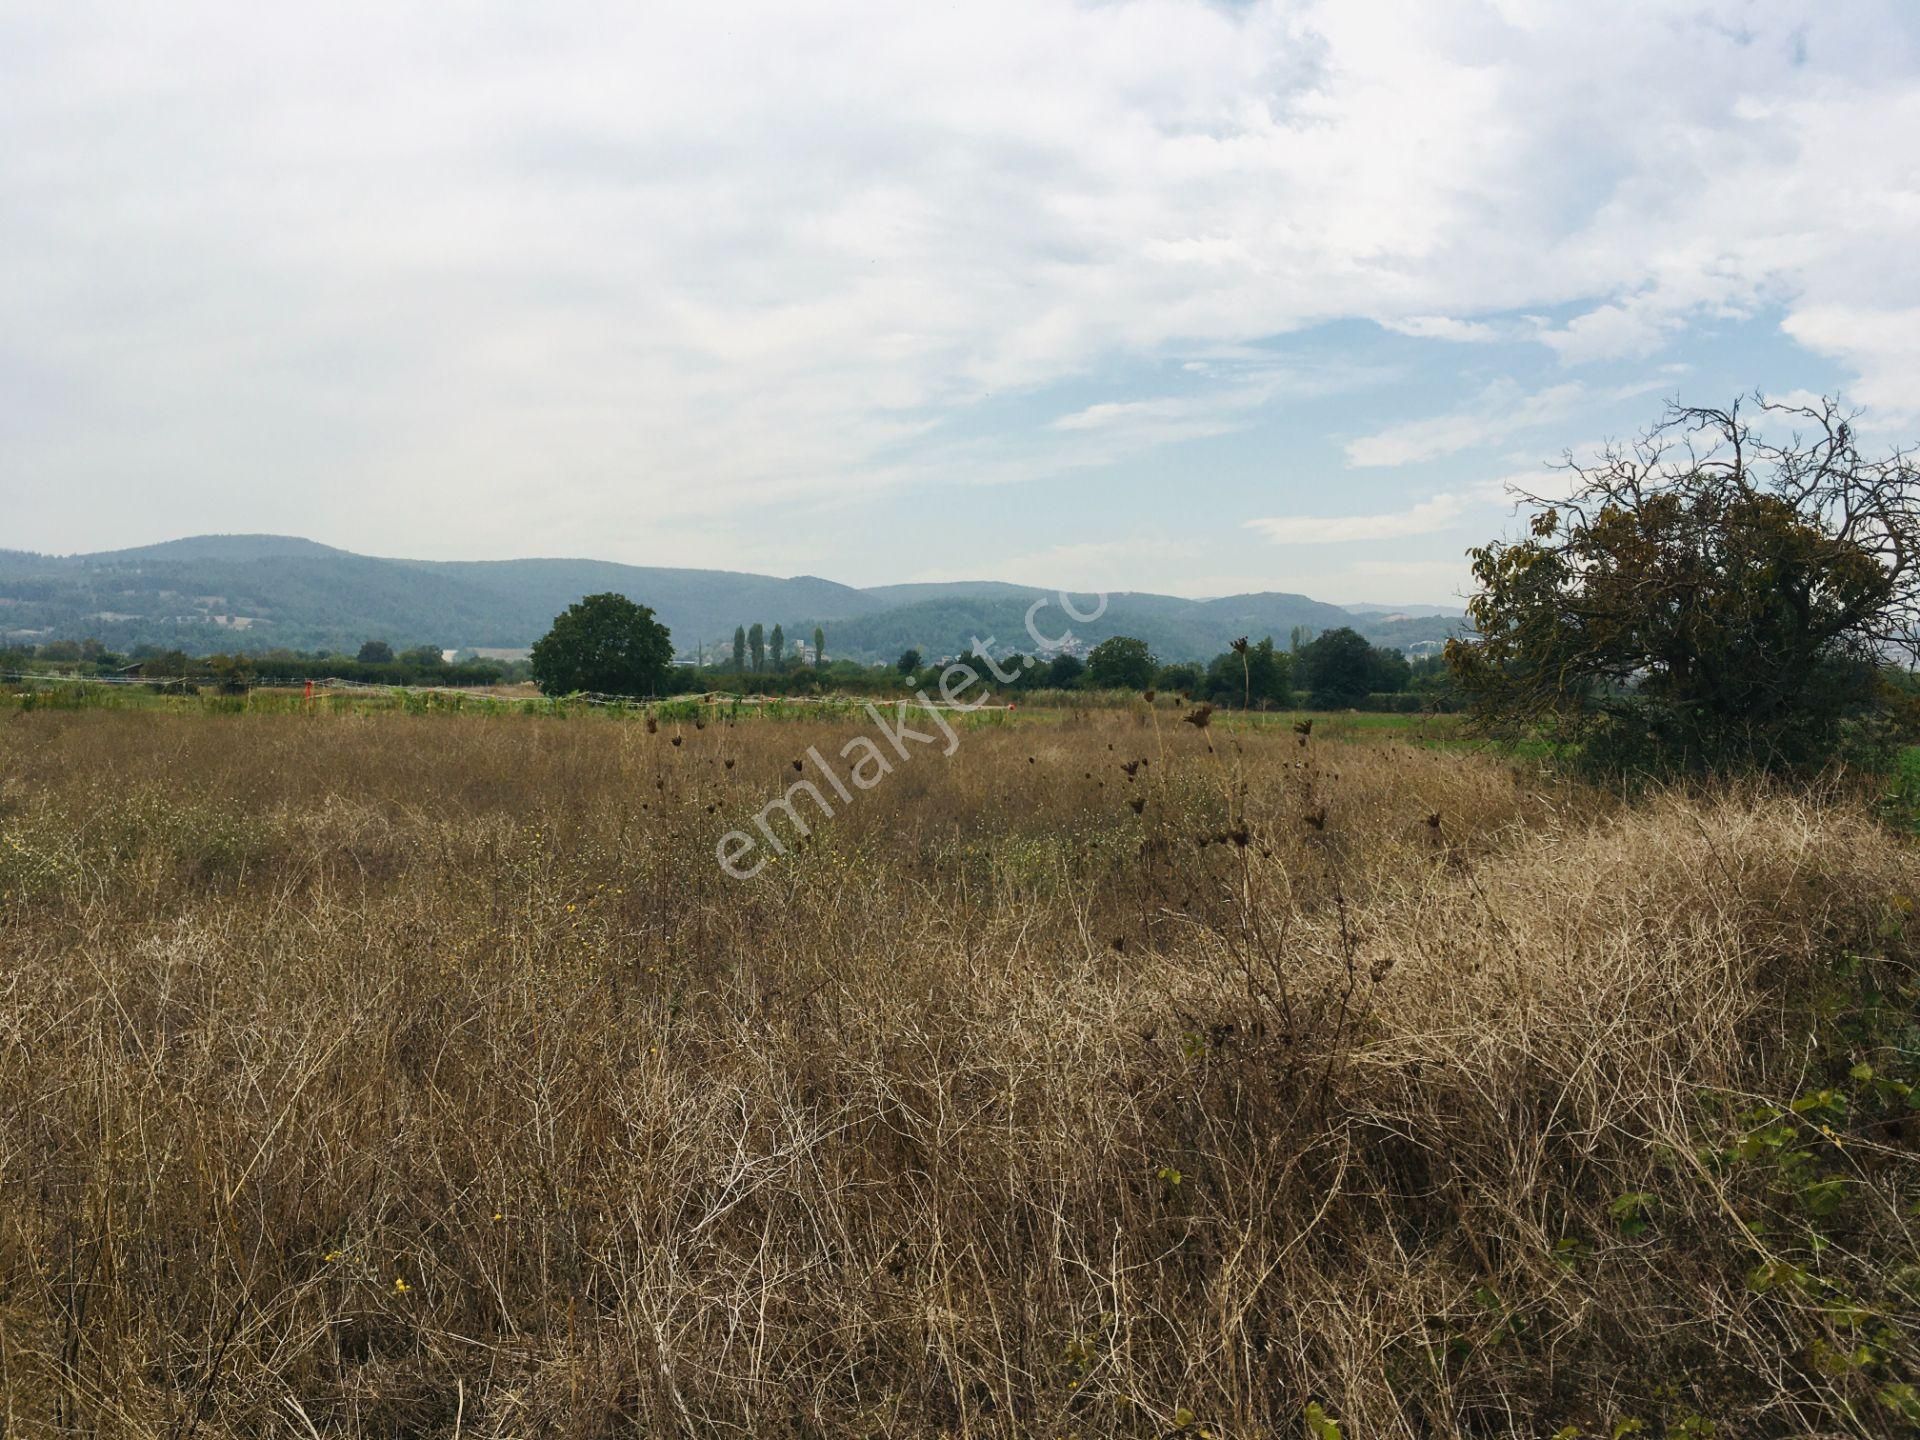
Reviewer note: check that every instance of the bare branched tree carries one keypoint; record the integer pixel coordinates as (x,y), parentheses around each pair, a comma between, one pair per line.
(1704,596)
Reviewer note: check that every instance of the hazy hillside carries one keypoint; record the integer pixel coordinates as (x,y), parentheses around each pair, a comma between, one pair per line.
(217,548)
(257,592)
(1176,628)
(913,594)
(696,605)
(1413,630)
(1410,612)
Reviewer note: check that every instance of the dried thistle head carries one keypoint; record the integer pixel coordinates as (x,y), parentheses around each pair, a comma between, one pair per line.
(1199,717)
(1239,647)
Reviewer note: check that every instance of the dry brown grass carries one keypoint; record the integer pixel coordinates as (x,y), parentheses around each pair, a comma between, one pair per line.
(425,1076)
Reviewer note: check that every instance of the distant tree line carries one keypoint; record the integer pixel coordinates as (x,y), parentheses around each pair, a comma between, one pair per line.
(376,663)
(608,644)
(1337,670)
(758,652)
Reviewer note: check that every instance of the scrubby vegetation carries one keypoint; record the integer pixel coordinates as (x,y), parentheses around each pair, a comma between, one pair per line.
(424,1075)
(1708,600)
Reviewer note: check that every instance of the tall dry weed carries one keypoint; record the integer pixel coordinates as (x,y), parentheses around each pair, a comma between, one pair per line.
(425,1076)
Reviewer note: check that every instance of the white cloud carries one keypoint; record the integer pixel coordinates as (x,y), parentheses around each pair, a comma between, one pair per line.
(1549,482)
(1795,399)
(553,278)
(1610,332)
(1144,423)
(1234,390)
(1422,519)
(1123,424)
(1440,327)
(1500,412)
(1882,345)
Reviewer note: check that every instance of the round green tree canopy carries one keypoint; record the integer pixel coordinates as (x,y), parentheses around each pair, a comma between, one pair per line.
(1121,662)
(605,644)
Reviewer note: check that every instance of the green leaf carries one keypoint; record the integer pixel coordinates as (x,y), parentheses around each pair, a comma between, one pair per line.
(1631,1213)
(1823,1197)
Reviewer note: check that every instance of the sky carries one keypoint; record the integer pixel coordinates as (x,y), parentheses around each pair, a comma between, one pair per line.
(1162,295)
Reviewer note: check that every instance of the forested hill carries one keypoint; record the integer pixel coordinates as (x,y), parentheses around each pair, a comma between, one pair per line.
(260,592)
(1176,629)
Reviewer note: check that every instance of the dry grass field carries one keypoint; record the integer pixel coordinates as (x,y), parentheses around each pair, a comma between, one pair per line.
(394,1075)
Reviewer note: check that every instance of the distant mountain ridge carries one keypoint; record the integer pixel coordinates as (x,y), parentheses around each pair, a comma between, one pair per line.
(260,592)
